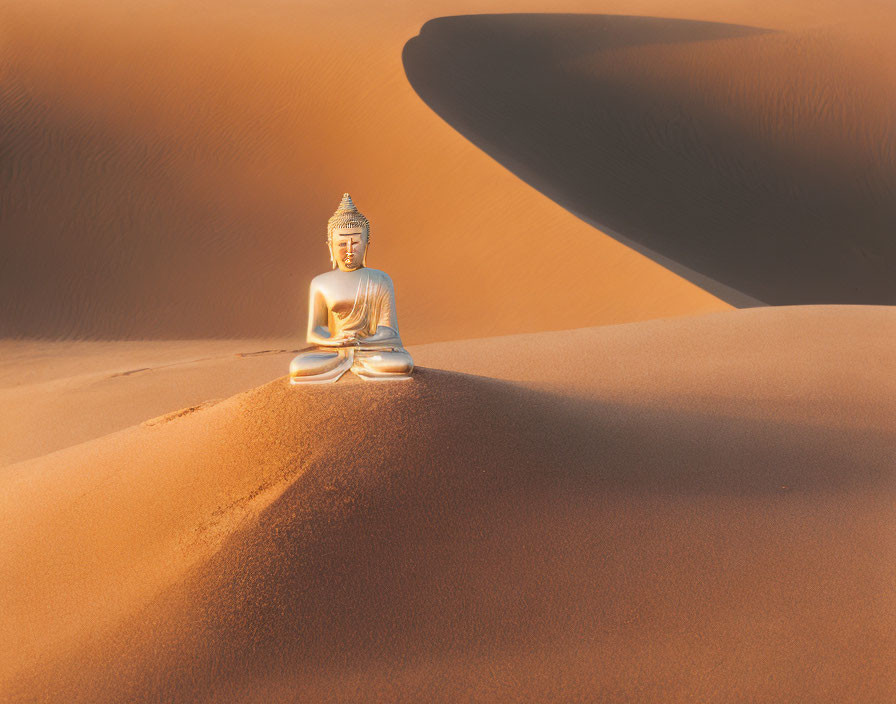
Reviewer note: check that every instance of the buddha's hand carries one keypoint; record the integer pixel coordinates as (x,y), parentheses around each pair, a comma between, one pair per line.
(349,339)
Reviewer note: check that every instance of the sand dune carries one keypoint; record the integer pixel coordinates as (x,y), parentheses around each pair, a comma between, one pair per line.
(171,167)
(168,167)
(723,530)
(764,160)
(690,508)
(57,394)
(54,395)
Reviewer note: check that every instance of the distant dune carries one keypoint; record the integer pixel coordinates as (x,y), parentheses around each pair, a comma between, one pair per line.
(721,530)
(169,169)
(763,160)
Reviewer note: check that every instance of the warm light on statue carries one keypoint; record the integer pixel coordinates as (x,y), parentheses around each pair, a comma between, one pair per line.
(351,312)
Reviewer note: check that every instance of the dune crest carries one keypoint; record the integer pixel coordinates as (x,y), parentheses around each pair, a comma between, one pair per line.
(763,160)
(209,147)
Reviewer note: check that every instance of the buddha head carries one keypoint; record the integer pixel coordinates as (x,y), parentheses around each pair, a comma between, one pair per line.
(348,234)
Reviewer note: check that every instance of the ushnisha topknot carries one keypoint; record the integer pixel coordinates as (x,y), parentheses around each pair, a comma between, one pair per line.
(347,215)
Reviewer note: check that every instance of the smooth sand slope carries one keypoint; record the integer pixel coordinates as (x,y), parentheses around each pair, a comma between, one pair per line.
(706,517)
(762,159)
(688,509)
(57,394)
(168,170)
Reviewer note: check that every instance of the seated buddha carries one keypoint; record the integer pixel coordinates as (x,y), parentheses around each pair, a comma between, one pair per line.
(351,312)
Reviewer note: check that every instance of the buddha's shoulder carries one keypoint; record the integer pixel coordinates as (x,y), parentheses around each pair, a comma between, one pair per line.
(380,275)
(322,279)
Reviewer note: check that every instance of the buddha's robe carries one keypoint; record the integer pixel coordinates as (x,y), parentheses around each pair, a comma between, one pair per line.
(372,309)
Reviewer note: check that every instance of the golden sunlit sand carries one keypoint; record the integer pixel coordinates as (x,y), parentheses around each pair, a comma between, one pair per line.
(604,483)
(698,511)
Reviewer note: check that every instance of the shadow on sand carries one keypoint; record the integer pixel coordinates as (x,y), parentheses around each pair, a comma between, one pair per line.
(756,214)
(459,514)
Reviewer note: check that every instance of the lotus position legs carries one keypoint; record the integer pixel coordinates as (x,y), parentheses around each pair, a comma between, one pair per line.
(325,366)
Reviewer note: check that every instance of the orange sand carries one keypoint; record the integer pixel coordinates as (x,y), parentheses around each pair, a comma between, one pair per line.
(704,516)
(209,149)
(57,394)
(209,144)
(690,508)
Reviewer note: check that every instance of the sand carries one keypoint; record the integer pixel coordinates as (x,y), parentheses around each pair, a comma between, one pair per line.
(57,394)
(604,483)
(759,159)
(210,147)
(720,531)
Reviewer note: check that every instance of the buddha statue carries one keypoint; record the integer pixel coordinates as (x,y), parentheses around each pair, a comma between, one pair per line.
(351,312)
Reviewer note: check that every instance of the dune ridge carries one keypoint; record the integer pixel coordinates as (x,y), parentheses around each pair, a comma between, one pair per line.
(463,534)
(763,160)
(54,395)
(210,147)
(204,173)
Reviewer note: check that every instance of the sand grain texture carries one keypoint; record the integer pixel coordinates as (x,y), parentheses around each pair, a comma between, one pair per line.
(462,536)
(57,394)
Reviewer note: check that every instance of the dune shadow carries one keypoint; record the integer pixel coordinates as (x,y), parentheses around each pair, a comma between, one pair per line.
(753,215)
(446,519)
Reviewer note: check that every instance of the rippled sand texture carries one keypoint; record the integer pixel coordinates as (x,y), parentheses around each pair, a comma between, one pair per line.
(696,509)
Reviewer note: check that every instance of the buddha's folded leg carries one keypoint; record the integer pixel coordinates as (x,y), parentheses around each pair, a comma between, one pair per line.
(319,366)
(385,364)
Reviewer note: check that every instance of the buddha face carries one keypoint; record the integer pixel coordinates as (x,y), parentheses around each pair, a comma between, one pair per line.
(348,246)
